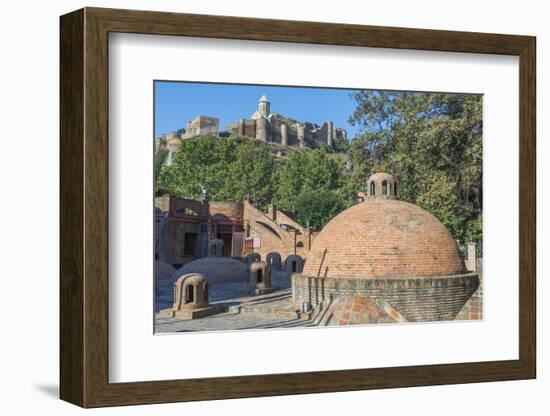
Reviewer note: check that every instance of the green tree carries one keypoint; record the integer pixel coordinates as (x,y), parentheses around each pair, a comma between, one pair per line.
(289,179)
(160,157)
(232,169)
(433,144)
(317,208)
(308,170)
(204,161)
(251,175)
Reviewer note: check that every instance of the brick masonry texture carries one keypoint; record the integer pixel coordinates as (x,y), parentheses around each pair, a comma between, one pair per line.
(275,238)
(226,210)
(384,238)
(474,307)
(417,299)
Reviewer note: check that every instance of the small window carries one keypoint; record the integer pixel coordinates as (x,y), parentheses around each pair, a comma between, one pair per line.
(299,244)
(189,244)
(189,294)
(384,187)
(227,229)
(372,188)
(186,211)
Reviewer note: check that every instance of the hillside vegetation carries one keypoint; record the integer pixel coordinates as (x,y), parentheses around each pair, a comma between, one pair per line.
(431,143)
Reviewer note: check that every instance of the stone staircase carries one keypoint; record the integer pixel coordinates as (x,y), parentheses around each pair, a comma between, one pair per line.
(276,305)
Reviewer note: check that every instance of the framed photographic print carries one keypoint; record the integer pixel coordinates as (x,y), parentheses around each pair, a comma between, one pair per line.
(255,207)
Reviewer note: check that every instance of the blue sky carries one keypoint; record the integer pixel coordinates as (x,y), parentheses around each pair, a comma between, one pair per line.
(178,102)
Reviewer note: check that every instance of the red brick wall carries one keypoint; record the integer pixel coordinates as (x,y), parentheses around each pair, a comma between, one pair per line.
(282,243)
(416,299)
(231,210)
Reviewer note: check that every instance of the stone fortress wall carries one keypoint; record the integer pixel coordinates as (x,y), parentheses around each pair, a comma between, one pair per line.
(262,125)
(276,128)
(202,126)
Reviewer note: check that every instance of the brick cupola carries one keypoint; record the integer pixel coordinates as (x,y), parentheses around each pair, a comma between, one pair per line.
(381,186)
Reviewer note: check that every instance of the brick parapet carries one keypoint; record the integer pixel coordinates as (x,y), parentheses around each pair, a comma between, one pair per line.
(418,299)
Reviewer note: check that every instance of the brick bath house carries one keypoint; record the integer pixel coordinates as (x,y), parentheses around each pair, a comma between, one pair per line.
(381,261)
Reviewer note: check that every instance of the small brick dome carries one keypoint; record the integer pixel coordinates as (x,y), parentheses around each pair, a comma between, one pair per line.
(216,270)
(163,271)
(384,238)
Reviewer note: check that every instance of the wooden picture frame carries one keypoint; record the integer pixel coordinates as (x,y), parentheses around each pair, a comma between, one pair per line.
(84,207)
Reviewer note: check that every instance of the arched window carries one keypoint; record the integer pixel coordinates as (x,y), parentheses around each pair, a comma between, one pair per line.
(299,244)
(384,187)
(189,294)
(372,188)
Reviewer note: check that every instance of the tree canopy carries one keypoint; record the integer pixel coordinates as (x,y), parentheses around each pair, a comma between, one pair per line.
(230,169)
(234,169)
(432,143)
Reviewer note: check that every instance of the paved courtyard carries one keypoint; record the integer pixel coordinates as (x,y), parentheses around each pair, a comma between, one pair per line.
(244,310)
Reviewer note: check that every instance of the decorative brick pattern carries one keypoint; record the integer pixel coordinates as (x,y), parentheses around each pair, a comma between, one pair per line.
(358,310)
(384,238)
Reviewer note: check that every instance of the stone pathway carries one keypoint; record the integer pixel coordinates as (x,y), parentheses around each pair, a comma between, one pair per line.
(227,321)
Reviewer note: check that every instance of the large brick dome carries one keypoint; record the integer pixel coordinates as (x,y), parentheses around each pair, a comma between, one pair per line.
(384,238)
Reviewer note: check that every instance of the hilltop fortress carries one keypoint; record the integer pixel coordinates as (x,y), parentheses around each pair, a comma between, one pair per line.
(262,125)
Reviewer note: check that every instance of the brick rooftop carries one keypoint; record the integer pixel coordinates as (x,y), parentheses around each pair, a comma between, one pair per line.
(381,239)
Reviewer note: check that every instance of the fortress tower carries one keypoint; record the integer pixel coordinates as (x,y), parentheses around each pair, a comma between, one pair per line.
(264,106)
